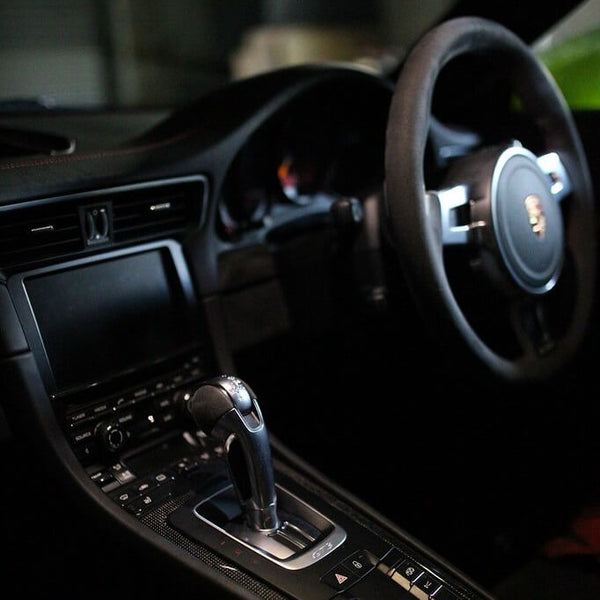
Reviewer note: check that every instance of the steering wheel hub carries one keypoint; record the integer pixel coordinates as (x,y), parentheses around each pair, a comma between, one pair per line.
(527,221)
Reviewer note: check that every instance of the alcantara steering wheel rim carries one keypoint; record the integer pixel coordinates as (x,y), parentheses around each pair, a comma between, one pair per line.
(417,217)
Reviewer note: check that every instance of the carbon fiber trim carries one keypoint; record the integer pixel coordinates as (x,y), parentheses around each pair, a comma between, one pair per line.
(157,521)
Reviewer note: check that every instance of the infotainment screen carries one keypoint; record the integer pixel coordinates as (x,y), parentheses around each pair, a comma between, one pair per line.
(104,318)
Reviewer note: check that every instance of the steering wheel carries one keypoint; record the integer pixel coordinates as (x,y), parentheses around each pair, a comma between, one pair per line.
(521,219)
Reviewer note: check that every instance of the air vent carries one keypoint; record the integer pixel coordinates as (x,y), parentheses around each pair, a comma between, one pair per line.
(30,234)
(100,219)
(160,211)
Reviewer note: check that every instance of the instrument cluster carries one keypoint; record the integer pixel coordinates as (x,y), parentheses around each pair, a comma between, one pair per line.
(312,151)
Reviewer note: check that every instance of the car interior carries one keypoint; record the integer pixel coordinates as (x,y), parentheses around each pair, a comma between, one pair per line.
(308,315)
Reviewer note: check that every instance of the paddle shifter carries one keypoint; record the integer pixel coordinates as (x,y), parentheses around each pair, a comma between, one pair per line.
(225,408)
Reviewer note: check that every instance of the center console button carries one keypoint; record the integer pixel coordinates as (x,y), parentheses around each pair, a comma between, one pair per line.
(121,401)
(126,417)
(376,585)
(105,480)
(425,586)
(122,474)
(103,477)
(101,408)
(163,403)
(147,501)
(187,466)
(83,434)
(339,578)
(77,416)
(360,563)
(124,497)
(163,477)
(145,485)
(406,573)
(140,393)
(444,593)
(391,559)
(159,387)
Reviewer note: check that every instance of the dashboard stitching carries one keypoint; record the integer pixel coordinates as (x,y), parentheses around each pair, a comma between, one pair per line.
(97,155)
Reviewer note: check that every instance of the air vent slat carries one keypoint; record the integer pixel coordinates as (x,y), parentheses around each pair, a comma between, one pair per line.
(163,211)
(47,245)
(131,226)
(25,255)
(153,198)
(32,233)
(27,237)
(150,217)
(28,224)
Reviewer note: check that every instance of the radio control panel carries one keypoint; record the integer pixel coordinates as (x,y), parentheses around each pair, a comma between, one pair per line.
(102,429)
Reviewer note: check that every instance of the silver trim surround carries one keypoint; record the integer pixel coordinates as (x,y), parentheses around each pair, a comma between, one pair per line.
(449,200)
(267,545)
(555,169)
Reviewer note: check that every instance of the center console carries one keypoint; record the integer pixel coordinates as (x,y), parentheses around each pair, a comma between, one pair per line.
(180,454)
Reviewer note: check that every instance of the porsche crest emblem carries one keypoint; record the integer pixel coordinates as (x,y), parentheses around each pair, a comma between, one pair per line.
(535,214)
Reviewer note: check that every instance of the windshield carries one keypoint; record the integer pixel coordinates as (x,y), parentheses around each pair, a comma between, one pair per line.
(148,53)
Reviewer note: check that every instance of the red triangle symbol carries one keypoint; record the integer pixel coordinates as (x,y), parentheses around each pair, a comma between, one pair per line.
(340,578)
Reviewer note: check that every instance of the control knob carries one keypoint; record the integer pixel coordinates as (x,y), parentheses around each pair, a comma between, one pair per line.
(111,436)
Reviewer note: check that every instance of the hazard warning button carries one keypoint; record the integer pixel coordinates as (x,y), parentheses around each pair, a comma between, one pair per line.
(339,578)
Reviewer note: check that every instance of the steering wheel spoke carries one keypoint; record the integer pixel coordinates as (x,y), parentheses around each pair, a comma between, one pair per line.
(454,214)
(552,165)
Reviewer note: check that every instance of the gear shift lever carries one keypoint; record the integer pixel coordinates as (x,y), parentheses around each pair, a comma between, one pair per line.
(226,408)
(295,535)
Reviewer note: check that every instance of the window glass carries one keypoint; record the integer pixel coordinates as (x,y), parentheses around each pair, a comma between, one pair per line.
(571,51)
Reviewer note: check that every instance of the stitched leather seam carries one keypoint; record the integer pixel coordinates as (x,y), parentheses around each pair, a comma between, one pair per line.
(94,155)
